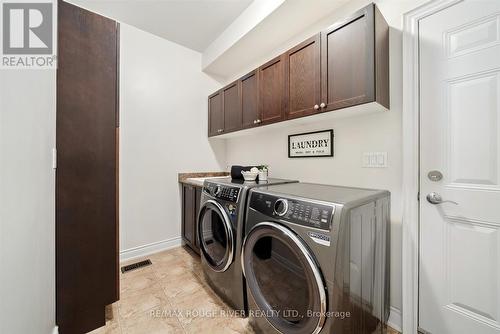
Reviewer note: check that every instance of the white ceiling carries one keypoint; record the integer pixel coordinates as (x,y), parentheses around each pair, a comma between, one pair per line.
(192,23)
(286,26)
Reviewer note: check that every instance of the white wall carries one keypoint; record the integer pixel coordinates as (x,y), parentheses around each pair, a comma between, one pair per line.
(257,11)
(27,221)
(370,133)
(163,131)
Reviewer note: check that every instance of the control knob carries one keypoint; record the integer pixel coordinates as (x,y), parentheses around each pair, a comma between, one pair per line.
(281,207)
(217,190)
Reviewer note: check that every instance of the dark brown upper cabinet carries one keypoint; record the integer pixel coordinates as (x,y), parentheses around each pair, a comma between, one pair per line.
(344,66)
(215,114)
(231,107)
(250,99)
(355,61)
(272,91)
(303,78)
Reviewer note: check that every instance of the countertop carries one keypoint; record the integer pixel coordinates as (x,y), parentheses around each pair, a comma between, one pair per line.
(197,178)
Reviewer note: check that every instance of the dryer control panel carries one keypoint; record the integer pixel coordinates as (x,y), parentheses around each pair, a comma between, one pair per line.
(223,192)
(307,213)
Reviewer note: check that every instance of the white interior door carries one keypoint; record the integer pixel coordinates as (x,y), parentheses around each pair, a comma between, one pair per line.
(459,283)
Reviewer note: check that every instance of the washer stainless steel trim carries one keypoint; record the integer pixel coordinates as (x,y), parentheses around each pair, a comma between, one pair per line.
(310,260)
(289,197)
(231,186)
(229,233)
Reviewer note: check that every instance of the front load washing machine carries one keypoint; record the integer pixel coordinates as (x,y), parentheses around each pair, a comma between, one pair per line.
(220,233)
(315,259)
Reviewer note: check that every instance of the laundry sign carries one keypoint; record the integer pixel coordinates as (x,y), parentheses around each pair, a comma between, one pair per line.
(311,144)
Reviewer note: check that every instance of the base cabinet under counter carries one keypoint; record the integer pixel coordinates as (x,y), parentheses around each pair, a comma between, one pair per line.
(190,206)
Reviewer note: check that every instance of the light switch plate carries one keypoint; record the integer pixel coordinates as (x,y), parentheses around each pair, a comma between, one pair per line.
(374,160)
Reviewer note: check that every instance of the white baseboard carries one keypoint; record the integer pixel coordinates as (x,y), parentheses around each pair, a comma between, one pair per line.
(55,330)
(395,319)
(155,247)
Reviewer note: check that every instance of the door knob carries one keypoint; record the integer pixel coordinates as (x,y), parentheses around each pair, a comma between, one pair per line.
(316,107)
(322,105)
(435,198)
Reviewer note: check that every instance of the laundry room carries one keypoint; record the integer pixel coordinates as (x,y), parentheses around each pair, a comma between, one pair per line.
(249,166)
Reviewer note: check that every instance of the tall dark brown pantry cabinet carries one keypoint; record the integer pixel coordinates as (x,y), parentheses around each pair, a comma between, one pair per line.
(87,169)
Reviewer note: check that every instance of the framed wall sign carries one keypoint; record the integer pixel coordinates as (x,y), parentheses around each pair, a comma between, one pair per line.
(311,144)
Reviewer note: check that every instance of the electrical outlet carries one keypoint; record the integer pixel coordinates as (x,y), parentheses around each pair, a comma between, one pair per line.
(374,160)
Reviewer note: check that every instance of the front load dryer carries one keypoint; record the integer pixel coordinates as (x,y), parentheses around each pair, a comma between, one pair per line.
(315,259)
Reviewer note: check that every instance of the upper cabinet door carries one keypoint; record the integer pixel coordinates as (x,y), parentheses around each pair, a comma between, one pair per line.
(215,114)
(231,107)
(303,79)
(272,91)
(348,61)
(250,99)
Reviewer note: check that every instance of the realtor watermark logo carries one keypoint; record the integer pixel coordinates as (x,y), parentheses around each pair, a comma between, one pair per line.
(28,35)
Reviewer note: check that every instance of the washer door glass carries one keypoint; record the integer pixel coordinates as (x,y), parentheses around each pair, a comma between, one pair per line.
(216,236)
(284,279)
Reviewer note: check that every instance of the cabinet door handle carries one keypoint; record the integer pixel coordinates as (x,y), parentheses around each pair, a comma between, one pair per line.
(322,105)
(316,107)
(258,121)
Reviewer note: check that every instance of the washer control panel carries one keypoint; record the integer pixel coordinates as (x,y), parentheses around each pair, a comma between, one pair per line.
(307,213)
(223,192)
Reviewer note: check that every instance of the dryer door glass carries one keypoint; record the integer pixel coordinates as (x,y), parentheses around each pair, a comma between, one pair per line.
(283,279)
(216,236)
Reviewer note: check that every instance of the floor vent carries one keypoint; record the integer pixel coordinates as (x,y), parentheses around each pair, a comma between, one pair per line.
(136,265)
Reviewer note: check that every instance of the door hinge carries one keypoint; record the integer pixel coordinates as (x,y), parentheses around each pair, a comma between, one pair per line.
(418,196)
(54,158)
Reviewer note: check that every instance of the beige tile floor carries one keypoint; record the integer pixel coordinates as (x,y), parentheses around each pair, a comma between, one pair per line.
(171,296)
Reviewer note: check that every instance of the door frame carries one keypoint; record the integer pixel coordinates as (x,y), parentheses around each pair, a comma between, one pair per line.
(411,159)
